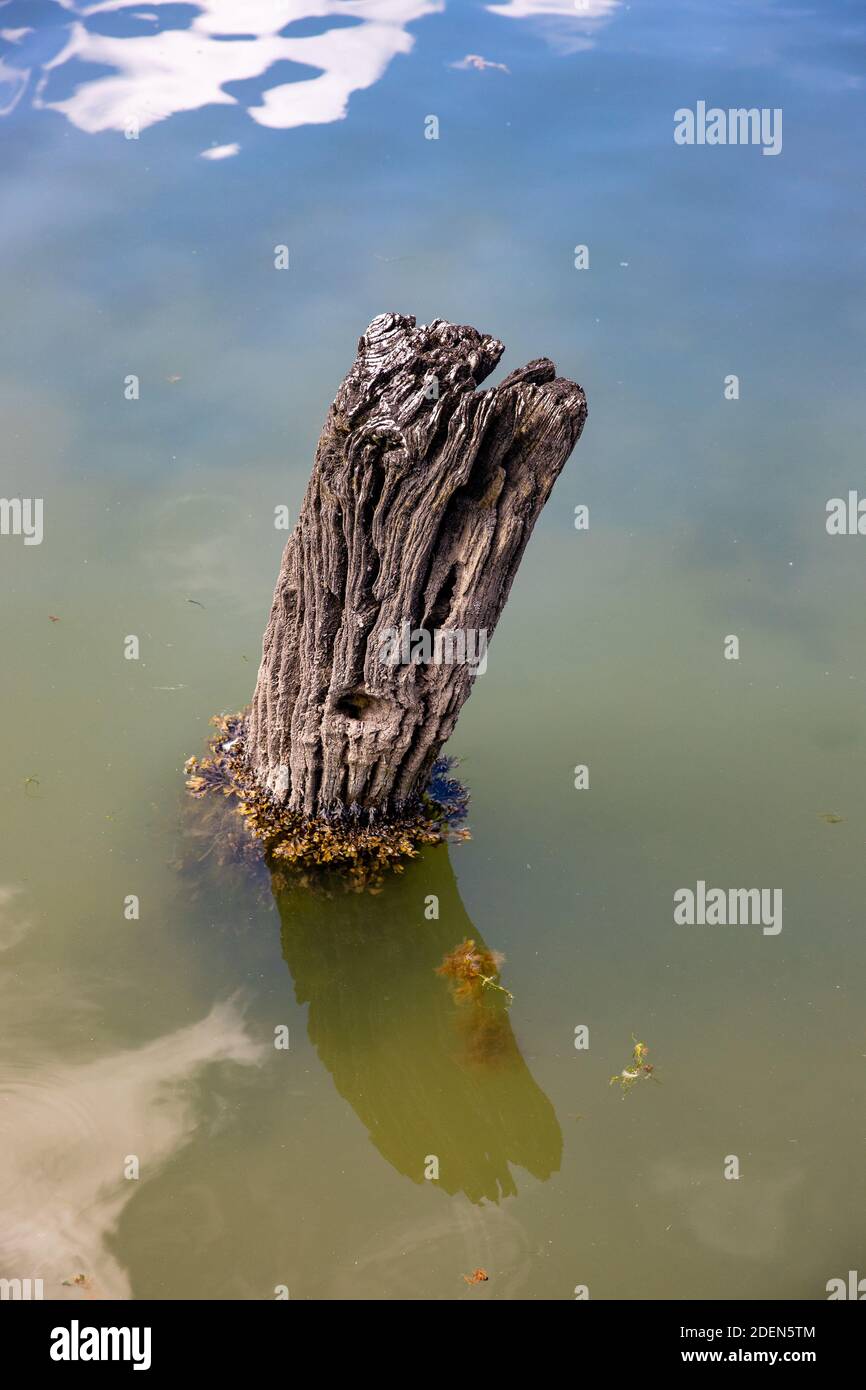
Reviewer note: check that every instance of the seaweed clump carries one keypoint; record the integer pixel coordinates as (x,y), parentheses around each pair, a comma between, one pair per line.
(482,1013)
(472,969)
(359,848)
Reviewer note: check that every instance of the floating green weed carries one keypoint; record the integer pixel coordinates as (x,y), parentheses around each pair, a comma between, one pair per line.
(640,1068)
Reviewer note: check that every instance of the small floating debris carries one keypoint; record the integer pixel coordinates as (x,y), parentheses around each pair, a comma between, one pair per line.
(475,60)
(478,1276)
(196,602)
(52,618)
(830,817)
(79,1281)
(640,1068)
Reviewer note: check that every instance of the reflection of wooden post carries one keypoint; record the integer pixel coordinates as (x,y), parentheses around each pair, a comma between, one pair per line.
(422,498)
(424,1073)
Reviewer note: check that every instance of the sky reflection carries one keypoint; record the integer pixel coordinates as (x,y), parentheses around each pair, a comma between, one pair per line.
(148,64)
(67,1130)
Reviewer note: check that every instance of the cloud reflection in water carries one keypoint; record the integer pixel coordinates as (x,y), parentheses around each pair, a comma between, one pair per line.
(182,69)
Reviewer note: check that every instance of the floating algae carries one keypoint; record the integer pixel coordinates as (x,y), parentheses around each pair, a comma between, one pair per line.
(473,969)
(640,1068)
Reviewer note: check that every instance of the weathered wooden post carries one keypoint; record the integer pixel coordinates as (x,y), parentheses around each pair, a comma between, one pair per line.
(423,496)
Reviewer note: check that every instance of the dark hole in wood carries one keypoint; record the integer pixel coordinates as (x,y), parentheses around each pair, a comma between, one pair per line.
(357,704)
(441,606)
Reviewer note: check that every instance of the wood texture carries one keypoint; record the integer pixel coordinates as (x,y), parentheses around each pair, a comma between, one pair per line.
(422,498)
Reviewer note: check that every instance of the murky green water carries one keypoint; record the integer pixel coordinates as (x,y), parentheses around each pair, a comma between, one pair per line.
(154,1038)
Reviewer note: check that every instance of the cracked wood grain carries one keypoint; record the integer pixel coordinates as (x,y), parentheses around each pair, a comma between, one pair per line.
(422,499)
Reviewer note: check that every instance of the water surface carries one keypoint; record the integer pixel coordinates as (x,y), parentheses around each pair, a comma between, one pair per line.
(270,124)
